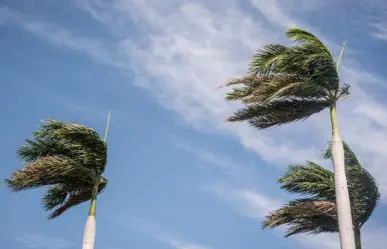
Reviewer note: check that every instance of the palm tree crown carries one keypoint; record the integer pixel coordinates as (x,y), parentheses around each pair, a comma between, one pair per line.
(316,211)
(68,158)
(287,83)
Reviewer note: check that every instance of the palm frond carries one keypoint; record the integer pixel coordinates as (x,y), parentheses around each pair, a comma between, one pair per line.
(317,212)
(48,171)
(75,197)
(261,89)
(72,140)
(287,84)
(309,180)
(266,59)
(55,196)
(304,216)
(363,189)
(278,112)
(309,58)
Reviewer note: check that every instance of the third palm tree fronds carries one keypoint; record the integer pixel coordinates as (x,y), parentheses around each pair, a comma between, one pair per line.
(69,159)
(290,83)
(316,212)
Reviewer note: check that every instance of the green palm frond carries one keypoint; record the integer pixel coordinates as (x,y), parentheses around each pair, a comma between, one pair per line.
(304,216)
(364,192)
(310,180)
(55,196)
(266,59)
(75,197)
(278,112)
(69,158)
(76,136)
(317,212)
(47,171)
(262,89)
(303,77)
(349,156)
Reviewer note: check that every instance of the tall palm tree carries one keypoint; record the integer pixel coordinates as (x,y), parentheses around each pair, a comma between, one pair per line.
(69,159)
(316,211)
(290,83)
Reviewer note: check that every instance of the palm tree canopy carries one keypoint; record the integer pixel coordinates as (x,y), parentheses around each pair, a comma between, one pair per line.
(316,211)
(287,83)
(68,158)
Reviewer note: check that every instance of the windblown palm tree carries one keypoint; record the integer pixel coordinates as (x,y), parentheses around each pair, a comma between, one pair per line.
(290,83)
(69,159)
(316,212)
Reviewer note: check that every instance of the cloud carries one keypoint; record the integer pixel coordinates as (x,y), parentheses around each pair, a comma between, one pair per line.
(41,241)
(380,31)
(160,234)
(246,202)
(241,172)
(192,47)
(186,49)
(181,50)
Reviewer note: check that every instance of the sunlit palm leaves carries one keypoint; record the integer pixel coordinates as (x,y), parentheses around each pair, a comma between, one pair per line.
(286,84)
(67,157)
(316,212)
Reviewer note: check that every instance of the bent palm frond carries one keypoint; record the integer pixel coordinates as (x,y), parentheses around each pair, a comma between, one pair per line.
(47,171)
(73,197)
(297,75)
(317,212)
(363,189)
(310,180)
(78,136)
(304,216)
(67,157)
(278,112)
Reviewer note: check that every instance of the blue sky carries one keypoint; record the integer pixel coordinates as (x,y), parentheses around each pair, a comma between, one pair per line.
(179,176)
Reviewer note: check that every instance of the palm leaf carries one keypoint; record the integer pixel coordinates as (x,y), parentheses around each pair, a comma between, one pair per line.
(287,84)
(72,140)
(363,189)
(317,212)
(266,59)
(309,180)
(47,171)
(278,112)
(75,197)
(304,216)
(261,89)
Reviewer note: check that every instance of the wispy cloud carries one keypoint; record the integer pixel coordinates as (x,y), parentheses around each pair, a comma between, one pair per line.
(187,48)
(246,202)
(380,30)
(159,233)
(41,241)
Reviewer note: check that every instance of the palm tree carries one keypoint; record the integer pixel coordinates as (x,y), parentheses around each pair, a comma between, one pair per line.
(317,211)
(69,159)
(290,83)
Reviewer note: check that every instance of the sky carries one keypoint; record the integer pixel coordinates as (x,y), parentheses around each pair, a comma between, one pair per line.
(179,176)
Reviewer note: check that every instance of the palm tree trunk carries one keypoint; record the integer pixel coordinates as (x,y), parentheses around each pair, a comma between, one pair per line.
(358,238)
(90,227)
(347,238)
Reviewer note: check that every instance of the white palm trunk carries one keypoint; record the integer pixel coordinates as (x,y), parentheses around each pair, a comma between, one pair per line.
(90,227)
(347,237)
(89,234)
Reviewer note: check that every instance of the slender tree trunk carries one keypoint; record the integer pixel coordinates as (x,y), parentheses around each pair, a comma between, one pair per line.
(347,238)
(90,227)
(357,238)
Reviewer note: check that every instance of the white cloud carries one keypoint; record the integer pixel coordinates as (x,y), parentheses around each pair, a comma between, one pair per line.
(246,202)
(380,30)
(184,49)
(41,241)
(160,234)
